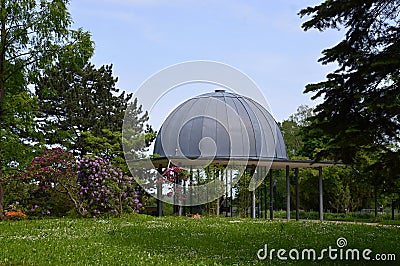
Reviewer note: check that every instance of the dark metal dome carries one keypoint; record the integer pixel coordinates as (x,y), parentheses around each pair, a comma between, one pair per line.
(221,125)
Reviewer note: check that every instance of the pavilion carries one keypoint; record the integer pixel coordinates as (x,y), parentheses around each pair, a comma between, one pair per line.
(224,128)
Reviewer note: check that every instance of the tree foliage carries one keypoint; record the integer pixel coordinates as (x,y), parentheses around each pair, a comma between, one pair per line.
(74,102)
(292,130)
(75,105)
(361,104)
(358,121)
(345,188)
(31,32)
(17,131)
(85,112)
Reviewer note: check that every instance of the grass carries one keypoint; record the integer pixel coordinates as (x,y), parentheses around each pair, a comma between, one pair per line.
(348,217)
(145,240)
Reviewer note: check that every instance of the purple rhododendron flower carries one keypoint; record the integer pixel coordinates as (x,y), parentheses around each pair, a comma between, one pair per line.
(101,186)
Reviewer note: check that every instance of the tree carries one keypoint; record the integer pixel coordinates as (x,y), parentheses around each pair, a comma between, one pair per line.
(359,117)
(82,110)
(17,124)
(362,96)
(31,32)
(85,111)
(343,187)
(292,130)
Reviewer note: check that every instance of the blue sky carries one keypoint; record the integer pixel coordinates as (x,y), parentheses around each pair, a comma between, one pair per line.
(263,39)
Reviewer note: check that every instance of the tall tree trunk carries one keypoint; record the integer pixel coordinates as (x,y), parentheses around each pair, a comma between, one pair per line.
(2,95)
(1,193)
(376,200)
(3,48)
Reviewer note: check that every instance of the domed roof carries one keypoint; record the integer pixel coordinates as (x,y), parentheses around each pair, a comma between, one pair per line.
(220,125)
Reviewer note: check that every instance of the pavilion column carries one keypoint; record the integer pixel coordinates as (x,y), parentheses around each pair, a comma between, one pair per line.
(253,204)
(271,205)
(287,193)
(226,203)
(296,173)
(392,209)
(182,209)
(265,193)
(159,194)
(252,196)
(191,190)
(231,193)
(217,210)
(321,199)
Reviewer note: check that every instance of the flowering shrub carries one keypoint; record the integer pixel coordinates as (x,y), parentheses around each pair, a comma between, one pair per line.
(55,184)
(51,168)
(194,216)
(14,213)
(48,180)
(16,190)
(175,175)
(104,188)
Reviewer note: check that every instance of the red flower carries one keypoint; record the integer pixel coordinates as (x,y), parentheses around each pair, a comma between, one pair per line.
(15,213)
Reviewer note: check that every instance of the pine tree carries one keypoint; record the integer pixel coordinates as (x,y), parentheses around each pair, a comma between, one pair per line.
(83,110)
(358,120)
(361,104)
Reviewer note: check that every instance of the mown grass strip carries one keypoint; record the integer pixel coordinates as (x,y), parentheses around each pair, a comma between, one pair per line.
(144,240)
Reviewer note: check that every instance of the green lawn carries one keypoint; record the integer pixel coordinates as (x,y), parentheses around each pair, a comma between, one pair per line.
(144,240)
